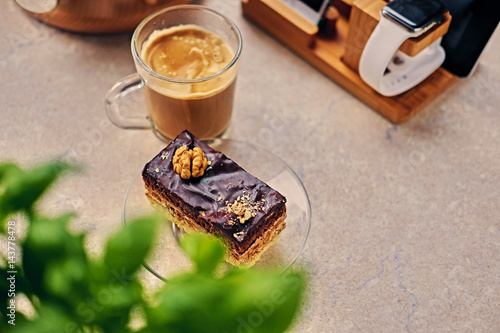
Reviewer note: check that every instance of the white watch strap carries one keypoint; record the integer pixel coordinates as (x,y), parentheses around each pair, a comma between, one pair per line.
(389,77)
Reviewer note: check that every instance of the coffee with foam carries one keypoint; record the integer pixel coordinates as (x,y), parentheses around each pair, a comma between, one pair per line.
(196,93)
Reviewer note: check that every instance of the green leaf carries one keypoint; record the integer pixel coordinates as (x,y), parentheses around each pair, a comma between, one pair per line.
(50,319)
(127,249)
(50,236)
(242,301)
(110,305)
(264,301)
(8,170)
(21,189)
(48,243)
(205,251)
(182,304)
(111,296)
(62,276)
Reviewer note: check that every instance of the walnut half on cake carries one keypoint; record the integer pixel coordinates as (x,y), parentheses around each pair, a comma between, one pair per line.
(202,190)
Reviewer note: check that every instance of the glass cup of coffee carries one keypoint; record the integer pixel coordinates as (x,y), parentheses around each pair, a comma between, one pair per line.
(187,63)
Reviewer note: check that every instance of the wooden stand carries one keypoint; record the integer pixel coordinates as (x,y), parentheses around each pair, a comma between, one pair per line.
(336,52)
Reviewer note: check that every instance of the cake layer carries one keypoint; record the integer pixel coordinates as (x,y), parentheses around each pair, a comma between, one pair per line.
(210,202)
(244,257)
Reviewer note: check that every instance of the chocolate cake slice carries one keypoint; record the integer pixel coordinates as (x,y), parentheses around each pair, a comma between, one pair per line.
(221,199)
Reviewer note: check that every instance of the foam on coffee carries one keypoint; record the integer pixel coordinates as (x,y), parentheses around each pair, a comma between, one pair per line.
(187,52)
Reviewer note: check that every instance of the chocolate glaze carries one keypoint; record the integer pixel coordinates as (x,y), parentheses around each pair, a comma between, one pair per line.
(224,181)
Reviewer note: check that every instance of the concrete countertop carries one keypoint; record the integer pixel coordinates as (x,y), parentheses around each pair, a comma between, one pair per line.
(405,219)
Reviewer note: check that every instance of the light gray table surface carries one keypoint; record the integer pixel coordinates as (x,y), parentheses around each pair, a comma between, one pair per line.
(405,229)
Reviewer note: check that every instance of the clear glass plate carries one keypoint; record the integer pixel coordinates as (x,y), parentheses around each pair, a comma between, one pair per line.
(167,258)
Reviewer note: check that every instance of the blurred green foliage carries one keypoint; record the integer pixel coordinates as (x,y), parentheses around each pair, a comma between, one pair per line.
(71,292)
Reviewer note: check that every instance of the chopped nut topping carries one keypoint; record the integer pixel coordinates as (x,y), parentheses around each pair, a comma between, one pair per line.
(239,236)
(243,208)
(164,156)
(157,170)
(189,163)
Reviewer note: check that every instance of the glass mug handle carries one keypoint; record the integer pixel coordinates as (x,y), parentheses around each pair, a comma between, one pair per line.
(121,89)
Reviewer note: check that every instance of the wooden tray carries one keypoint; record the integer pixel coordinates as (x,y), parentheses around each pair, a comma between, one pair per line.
(337,54)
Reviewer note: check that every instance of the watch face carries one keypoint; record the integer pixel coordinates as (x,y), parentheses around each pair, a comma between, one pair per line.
(415,14)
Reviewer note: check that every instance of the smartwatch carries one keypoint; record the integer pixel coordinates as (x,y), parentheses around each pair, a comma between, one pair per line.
(389,71)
